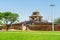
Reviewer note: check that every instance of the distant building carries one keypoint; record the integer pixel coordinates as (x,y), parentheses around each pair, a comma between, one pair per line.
(36,17)
(35,23)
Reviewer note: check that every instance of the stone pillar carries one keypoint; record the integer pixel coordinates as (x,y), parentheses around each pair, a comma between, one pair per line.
(23,27)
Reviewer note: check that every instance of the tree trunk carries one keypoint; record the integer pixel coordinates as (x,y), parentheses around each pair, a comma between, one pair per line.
(7,27)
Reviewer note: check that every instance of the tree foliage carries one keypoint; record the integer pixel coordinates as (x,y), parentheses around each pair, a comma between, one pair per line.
(1,23)
(8,18)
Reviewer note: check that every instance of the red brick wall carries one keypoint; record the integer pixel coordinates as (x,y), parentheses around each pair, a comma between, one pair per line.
(57,28)
(37,27)
(45,27)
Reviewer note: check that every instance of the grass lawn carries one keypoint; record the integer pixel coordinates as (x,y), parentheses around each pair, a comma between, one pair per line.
(30,35)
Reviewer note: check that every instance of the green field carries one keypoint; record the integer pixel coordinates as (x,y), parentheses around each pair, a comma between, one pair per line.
(30,35)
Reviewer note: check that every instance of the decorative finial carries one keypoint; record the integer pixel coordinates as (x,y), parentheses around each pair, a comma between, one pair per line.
(35,10)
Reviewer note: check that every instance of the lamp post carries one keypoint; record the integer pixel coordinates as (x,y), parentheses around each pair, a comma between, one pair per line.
(52,12)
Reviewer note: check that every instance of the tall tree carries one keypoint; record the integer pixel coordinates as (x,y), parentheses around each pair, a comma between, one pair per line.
(9,18)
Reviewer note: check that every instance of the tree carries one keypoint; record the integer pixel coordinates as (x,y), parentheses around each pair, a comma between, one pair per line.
(9,18)
(1,15)
(1,23)
(57,21)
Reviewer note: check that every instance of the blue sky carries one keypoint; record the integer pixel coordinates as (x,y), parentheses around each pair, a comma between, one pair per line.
(25,8)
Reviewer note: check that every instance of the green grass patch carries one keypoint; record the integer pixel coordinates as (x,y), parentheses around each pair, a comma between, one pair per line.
(30,35)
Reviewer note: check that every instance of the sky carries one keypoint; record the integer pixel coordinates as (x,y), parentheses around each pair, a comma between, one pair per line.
(25,8)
